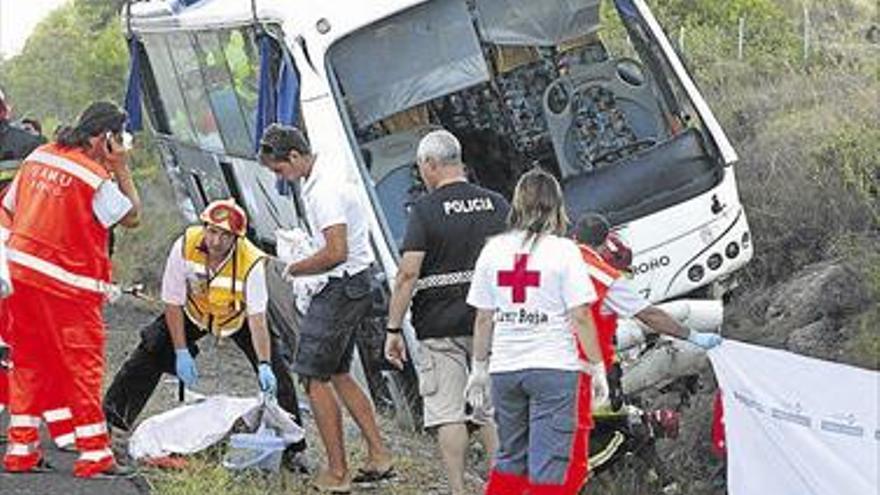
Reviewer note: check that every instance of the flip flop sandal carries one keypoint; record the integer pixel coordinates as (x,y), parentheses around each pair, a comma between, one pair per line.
(344,488)
(116,472)
(373,475)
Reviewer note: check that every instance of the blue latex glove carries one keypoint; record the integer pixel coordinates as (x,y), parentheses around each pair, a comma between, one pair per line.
(185,367)
(706,340)
(268,383)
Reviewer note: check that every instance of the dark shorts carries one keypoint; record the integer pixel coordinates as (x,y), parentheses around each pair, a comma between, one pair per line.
(326,332)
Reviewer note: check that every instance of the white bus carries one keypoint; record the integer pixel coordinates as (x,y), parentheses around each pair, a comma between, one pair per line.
(594,93)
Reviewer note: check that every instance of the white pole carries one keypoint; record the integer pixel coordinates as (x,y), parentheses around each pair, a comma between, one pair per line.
(806,33)
(681,39)
(740,38)
(1,30)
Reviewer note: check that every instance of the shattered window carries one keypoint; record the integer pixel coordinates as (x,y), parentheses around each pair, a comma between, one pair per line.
(208,86)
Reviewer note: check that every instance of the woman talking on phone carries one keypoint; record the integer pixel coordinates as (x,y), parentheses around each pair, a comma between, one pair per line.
(63,201)
(530,288)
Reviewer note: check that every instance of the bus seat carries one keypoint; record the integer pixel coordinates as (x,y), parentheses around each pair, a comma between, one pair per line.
(600,109)
(410,118)
(395,191)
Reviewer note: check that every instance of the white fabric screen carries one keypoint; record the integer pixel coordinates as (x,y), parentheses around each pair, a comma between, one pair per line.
(796,425)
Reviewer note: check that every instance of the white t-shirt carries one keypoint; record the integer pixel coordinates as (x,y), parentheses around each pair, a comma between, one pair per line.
(332,201)
(531,288)
(109,204)
(623,299)
(177,271)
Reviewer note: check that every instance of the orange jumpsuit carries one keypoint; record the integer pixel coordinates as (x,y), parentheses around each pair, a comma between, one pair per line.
(58,260)
(602,275)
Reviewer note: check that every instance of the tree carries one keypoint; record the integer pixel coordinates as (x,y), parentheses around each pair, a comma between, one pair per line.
(66,64)
(99,12)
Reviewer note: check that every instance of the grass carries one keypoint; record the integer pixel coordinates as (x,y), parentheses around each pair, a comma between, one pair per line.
(417,464)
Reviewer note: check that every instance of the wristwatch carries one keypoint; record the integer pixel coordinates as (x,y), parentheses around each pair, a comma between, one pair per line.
(393,330)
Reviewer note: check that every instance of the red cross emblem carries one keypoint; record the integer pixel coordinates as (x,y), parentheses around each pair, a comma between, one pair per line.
(519,279)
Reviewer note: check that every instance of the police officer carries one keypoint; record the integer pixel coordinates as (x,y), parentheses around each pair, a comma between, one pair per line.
(446,231)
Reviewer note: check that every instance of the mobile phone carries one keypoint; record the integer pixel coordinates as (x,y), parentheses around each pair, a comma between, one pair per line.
(127,140)
(108,136)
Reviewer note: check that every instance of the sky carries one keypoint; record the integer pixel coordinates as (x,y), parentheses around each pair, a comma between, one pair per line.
(18,18)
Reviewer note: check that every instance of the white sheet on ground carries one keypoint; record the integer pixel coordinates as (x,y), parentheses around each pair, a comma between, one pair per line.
(797,425)
(191,428)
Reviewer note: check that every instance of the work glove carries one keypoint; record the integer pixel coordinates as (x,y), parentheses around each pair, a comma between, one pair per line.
(268,383)
(599,384)
(185,367)
(706,340)
(477,388)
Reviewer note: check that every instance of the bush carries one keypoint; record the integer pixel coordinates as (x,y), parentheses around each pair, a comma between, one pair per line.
(808,172)
(139,254)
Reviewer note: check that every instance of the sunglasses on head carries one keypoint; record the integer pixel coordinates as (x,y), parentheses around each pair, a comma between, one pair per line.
(269,150)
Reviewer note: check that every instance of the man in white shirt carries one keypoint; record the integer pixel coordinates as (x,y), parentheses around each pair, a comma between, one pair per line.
(326,340)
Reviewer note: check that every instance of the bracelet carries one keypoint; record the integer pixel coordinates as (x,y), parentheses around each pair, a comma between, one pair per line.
(393,331)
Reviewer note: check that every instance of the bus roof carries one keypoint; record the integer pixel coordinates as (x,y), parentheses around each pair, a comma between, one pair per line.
(298,16)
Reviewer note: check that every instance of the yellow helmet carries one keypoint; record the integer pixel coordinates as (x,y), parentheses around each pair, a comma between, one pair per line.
(227,215)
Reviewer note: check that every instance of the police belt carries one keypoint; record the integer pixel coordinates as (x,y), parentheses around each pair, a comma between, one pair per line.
(442,280)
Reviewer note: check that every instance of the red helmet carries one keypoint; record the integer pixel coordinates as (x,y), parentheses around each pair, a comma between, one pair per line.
(615,252)
(227,215)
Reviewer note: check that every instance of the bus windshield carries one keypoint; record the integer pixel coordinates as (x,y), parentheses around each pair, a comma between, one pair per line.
(523,84)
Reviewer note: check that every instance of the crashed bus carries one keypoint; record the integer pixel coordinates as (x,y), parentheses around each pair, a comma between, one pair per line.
(593,92)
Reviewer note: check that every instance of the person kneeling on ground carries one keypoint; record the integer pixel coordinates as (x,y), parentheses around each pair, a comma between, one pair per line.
(214,283)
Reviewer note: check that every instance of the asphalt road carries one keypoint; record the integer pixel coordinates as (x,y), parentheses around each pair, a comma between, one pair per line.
(61,481)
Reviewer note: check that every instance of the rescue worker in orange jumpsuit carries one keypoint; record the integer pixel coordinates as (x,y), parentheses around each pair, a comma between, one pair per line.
(15,144)
(65,198)
(617,298)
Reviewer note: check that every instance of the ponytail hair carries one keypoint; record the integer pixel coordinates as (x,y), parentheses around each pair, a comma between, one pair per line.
(98,118)
(71,137)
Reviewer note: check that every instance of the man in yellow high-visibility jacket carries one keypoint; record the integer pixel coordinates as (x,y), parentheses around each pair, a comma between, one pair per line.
(214,283)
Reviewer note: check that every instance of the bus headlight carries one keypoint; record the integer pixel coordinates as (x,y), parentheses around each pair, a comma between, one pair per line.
(323,25)
(732,250)
(714,261)
(695,273)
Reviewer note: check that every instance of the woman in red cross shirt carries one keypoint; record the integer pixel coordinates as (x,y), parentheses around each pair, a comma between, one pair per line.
(530,287)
